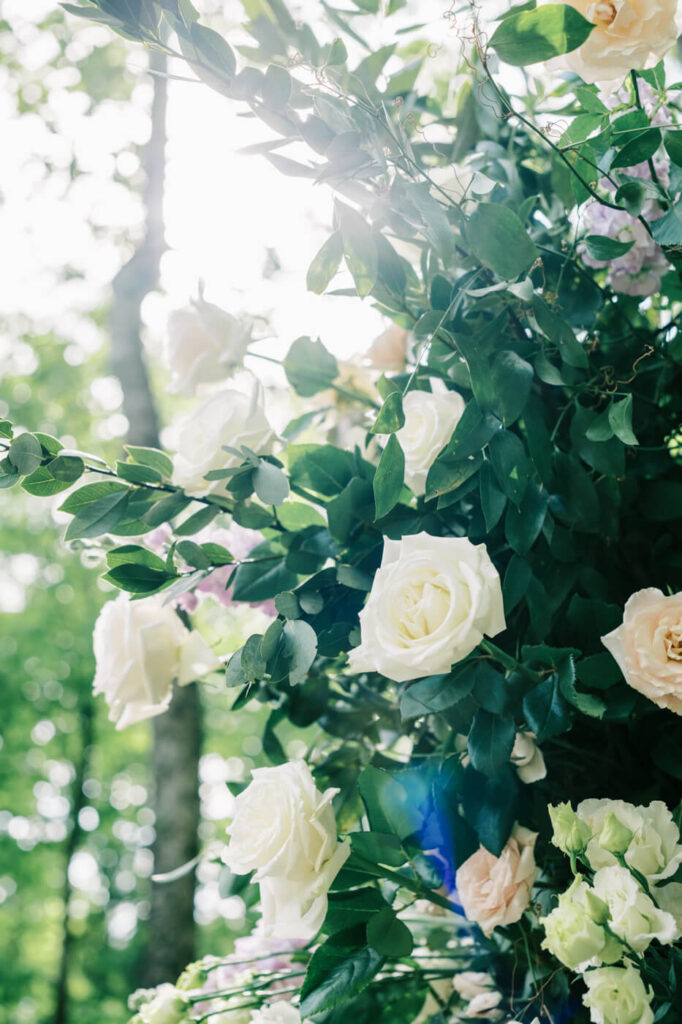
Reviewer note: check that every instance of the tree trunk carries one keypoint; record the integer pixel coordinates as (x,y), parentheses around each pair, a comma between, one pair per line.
(177,733)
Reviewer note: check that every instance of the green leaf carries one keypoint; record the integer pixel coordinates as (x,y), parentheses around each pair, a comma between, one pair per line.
(99,516)
(667,230)
(151,457)
(297,515)
(673,145)
(265,576)
(133,554)
(359,249)
(391,416)
(197,521)
(496,235)
(136,474)
(346,909)
(620,420)
(138,579)
(325,264)
(512,377)
(25,453)
(323,468)
(538,35)
(340,969)
(379,848)
(310,367)
(490,741)
(493,500)
(600,247)
(389,477)
(195,556)
(270,483)
(84,496)
(389,804)
(167,508)
(388,935)
(435,694)
(491,806)
(295,652)
(637,150)
(213,49)
(546,710)
(523,523)
(42,484)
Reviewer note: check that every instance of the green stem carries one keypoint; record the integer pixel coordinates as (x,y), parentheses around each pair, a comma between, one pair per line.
(507,660)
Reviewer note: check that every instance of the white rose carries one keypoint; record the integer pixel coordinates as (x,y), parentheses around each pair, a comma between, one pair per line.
(648,646)
(276,1013)
(527,758)
(430,420)
(616,995)
(628,35)
(202,344)
(224,418)
(141,648)
(284,829)
(634,917)
(654,849)
(432,601)
(167,1007)
(469,984)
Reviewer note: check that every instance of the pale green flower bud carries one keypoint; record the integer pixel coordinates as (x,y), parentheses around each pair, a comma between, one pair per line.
(571,835)
(615,836)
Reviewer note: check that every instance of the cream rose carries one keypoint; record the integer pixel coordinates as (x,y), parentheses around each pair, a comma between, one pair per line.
(627,35)
(648,646)
(388,352)
(633,916)
(141,648)
(432,601)
(203,343)
(430,419)
(284,829)
(654,849)
(276,1013)
(225,418)
(527,758)
(575,933)
(495,891)
(616,995)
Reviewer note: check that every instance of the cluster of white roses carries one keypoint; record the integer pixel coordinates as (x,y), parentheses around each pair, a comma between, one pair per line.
(630,853)
(168,1004)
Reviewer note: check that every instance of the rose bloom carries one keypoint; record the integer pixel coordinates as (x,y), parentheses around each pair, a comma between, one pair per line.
(431,602)
(284,829)
(654,849)
(616,995)
(203,343)
(167,1006)
(495,891)
(628,35)
(430,420)
(141,648)
(648,646)
(388,352)
(224,418)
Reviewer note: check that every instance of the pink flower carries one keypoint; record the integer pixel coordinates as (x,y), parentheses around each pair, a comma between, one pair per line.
(493,890)
(648,646)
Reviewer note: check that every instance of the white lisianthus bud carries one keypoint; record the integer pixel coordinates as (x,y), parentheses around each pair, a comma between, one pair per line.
(628,35)
(634,917)
(570,833)
(167,1007)
(527,758)
(284,829)
(224,418)
(142,648)
(203,343)
(432,601)
(574,931)
(430,420)
(617,995)
(654,851)
(276,1013)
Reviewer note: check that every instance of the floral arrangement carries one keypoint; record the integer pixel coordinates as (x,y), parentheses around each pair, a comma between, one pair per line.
(480,602)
